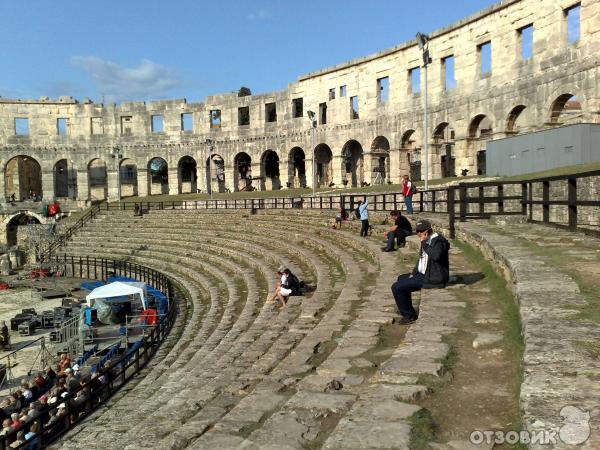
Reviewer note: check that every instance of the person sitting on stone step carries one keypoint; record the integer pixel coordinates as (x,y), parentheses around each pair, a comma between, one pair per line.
(432,270)
(400,229)
(279,275)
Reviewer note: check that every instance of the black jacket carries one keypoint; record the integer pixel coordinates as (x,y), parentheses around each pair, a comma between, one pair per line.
(437,271)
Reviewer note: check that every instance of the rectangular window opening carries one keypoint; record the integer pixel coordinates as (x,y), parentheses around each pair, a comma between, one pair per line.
(343,91)
(126,124)
(383,89)
(485,57)
(158,125)
(62,126)
(243,116)
(573,15)
(215,118)
(97,125)
(322,113)
(415,80)
(22,126)
(332,94)
(448,67)
(297,108)
(187,122)
(354,107)
(271,112)
(526,40)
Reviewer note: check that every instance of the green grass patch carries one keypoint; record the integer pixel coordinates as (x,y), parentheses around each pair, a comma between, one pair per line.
(502,295)
(423,430)
(592,348)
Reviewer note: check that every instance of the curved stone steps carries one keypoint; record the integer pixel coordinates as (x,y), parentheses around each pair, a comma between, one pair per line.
(348,261)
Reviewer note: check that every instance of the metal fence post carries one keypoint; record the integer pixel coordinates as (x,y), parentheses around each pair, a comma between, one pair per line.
(546,201)
(572,202)
(463,202)
(451,214)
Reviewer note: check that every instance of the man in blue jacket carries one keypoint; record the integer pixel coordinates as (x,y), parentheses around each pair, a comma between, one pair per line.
(363,214)
(432,270)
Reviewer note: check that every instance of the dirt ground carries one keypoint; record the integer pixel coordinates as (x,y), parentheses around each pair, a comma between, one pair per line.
(480,388)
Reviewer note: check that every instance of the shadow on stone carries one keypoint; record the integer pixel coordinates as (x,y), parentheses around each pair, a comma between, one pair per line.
(466,278)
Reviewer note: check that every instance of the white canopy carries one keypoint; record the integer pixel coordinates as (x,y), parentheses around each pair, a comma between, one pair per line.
(116,289)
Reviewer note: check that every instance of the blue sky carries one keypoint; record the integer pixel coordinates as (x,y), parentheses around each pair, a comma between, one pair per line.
(143,50)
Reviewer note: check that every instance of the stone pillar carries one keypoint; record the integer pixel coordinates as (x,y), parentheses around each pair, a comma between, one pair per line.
(83,186)
(173,181)
(397,156)
(336,170)
(229,179)
(308,167)
(47,185)
(367,168)
(72,181)
(142,182)
(3,186)
(256,172)
(112,183)
(284,173)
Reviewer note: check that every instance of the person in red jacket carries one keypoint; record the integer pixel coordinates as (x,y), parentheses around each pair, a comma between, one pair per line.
(408,190)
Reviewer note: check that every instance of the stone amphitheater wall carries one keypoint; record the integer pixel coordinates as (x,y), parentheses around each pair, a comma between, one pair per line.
(516,95)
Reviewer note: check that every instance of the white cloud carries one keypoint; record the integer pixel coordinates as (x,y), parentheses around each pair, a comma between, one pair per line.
(117,83)
(262,14)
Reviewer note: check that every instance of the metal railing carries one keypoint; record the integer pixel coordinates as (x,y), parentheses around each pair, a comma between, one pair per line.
(469,200)
(76,407)
(64,237)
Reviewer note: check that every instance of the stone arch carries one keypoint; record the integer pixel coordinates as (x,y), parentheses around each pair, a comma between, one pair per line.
(512,120)
(187,175)
(297,168)
(269,171)
(65,179)
(443,151)
(23,178)
(380,160)
(479,132)
(158,176)
(14,222)
(410,162)
(215,172)
(353,163)
(97,179)
(128,176)
(323,158)
(564,109)
(242,173)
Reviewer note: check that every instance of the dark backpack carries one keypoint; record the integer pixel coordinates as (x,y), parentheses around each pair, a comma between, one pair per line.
(413,189)
(357,212)
(294,284)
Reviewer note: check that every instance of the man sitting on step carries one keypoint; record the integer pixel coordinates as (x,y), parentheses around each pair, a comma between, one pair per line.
(400,229)
(431,271)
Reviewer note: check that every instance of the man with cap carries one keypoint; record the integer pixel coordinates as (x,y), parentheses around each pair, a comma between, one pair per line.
(432,270)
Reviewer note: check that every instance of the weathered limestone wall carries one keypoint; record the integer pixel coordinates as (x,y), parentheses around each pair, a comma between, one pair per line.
(456,117)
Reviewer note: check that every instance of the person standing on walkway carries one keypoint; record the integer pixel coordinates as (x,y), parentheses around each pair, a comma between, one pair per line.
(432,270)
(408,189)
(363,213)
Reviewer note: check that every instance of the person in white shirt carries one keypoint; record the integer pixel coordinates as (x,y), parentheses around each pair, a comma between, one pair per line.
(431,270)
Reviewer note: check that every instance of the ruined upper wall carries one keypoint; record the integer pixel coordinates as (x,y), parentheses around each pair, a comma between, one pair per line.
(492,94)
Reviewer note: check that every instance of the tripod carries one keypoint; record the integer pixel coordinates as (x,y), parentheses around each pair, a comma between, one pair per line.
(8,375)
(378,178)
